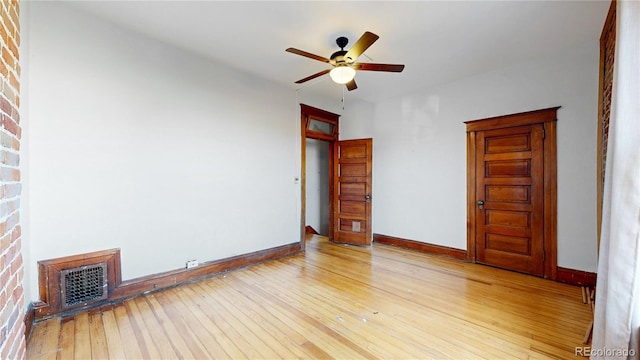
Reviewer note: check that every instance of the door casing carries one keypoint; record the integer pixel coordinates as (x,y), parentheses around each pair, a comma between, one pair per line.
(547,117)
(306,113)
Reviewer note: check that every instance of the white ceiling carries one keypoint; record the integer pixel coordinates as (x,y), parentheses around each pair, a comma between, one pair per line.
(438,41)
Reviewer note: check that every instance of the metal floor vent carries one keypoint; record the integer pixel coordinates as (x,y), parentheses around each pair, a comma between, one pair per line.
(83,285)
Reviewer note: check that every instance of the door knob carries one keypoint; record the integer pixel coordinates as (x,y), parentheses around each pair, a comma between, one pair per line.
(367,197)
(481,204)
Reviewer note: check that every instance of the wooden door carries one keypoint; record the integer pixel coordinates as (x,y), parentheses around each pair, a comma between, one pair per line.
(352,194)
(510,194)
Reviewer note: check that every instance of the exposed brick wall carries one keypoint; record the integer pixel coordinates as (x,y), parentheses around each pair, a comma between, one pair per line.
(12,340)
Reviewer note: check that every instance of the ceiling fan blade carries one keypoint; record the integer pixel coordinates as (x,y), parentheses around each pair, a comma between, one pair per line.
(307,54)
(378,67)
(366,40)
(311,77)
(351,85)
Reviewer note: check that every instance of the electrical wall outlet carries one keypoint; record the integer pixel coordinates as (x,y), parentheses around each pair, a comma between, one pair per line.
(192,264)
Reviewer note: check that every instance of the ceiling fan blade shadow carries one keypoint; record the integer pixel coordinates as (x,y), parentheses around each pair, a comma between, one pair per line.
(311,77)
(351,85)
(366,40)
(378,67)
(307,54)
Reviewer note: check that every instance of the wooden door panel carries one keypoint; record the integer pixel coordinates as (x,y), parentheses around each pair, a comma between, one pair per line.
(355,151)
(508,193)
(354,189)
(514,262)
(507,231)
(508,206)
(508,218)
(352,207)
(349,225)
(506,181)
(509,226)
(510,244)
(507,168)
(350,169)
(352,199)
(508,143)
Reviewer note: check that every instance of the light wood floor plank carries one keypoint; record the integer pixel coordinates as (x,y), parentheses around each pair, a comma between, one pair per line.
(82,338)
(49,335)
(271,332)
(334,301)
(338,317)
(331,342)
(144,340)
(539,324)
(486,314)
(184,323)
(99,348)
(161,343)
(184,345)
(252,342)
(295,341)
(36,343)
(333,292)
(127,333)
(193,302)
(112,333)
(66,347)
(219,317)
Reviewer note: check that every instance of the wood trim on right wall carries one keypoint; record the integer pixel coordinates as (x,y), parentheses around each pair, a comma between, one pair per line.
(432,249)
(576,277)
(605,85)
(563,275)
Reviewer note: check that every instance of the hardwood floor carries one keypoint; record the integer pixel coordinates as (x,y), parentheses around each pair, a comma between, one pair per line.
(334,301)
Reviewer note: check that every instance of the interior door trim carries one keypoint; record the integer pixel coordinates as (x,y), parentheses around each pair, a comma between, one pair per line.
(607,59)
(547,117)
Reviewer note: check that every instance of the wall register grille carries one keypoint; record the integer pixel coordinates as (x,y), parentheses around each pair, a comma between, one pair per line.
(83,285)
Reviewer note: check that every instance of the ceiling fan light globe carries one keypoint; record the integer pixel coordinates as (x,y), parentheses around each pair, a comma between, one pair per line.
(342,74)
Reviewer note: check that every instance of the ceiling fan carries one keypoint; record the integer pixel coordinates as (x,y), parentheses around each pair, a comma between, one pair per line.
(343,61)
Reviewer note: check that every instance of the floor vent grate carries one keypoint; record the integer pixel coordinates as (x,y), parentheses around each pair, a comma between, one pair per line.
(83,285)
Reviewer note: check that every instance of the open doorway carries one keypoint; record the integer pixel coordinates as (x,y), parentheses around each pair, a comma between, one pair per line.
(319,134)
(317,189)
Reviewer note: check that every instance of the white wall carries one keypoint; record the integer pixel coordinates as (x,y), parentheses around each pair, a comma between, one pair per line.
(419,150)
(356,121)
(138,145)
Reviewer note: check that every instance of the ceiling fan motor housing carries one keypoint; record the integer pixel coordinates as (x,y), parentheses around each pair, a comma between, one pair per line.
(338,57)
